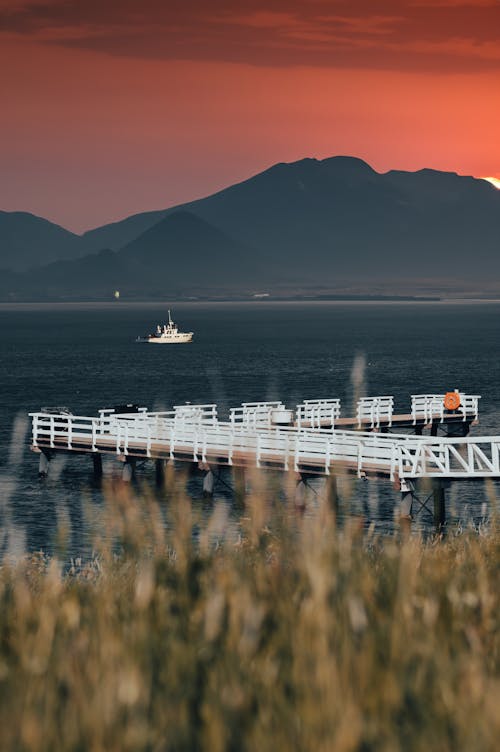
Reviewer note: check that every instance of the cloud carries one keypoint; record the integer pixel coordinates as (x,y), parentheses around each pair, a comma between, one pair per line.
(441,35)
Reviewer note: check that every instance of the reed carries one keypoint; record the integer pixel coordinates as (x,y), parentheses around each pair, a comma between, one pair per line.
(272,631)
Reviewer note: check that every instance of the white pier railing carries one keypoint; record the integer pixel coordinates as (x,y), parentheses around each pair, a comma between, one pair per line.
(301,449)
(260,414)
(373,411)
(430,407)
(200,414)
(317,413)
(450,458)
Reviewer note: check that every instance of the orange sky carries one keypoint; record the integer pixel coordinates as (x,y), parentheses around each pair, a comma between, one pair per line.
(104,117)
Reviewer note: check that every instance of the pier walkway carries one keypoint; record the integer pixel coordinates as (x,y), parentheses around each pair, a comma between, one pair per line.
(310,439)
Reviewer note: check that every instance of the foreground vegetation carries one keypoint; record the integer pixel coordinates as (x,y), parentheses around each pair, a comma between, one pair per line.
(280,632)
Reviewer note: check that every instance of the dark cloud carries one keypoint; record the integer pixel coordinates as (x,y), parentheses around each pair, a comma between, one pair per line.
(444,35)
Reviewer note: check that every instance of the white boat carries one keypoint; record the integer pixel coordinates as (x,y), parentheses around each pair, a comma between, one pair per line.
(168,334)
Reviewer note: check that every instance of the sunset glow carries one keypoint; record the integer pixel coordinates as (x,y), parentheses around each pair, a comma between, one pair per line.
(103,119)
(494,181)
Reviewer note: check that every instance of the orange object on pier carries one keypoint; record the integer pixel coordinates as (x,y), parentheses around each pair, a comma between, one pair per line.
(452,400)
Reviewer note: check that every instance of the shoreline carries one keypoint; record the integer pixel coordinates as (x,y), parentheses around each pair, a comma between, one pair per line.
(223,302)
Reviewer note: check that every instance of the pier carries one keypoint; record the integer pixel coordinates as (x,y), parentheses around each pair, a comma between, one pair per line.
(428,442)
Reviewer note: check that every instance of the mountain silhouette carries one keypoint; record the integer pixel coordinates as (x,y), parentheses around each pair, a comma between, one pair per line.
(184,247)
(309,223)
(182,252)
(27,241)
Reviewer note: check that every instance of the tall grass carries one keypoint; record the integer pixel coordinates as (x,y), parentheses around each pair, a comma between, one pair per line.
(280,633)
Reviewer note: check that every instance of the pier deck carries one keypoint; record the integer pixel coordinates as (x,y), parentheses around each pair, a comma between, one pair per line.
(270,435)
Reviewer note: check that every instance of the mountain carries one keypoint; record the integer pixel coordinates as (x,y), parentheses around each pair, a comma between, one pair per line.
(313,224)
(181,253)
(340,218)
(27,240)
(117,234)
(188,251)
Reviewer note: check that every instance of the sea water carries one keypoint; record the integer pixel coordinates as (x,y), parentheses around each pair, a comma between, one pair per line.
(84,357)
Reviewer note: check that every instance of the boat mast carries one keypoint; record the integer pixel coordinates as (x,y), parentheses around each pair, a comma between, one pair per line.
(169,318)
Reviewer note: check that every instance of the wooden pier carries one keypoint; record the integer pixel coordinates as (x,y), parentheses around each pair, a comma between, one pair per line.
(313,439)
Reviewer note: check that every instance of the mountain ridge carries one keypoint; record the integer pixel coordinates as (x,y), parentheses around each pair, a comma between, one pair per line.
(295,225)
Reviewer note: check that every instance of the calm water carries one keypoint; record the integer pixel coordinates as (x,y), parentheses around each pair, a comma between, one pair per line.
(84,357)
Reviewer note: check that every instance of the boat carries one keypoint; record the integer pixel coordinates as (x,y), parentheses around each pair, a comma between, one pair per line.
(168,334)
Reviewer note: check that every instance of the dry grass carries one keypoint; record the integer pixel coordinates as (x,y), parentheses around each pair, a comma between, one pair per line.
(281,634)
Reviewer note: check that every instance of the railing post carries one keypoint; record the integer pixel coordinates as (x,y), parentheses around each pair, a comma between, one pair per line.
(296,453)
(172,443)
(286,451)
(327,458)
(35,430)
(360,458)
(204,446)
(494,457)
(125,438)
(118,431)
(393,461)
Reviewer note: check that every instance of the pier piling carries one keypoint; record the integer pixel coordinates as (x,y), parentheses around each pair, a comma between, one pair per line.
(97,465)
(439,498)
(208,484)
(406,504)
(160,472)
(128,470)
(331,494)
(43,464)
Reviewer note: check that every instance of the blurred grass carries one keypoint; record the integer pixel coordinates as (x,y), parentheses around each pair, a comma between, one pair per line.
(282,633)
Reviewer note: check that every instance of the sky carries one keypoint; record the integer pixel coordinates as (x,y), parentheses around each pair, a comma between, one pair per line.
(111,107)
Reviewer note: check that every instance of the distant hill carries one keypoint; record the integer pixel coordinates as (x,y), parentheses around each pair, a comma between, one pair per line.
(27,240)
(187,251)
(117,234)
(181,253)
(313,223)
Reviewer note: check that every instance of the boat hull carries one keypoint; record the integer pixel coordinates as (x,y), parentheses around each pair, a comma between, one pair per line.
(180,340)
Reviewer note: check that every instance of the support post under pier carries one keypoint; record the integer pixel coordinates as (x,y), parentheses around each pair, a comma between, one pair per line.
(406,500)
(303,490)
(439,504)
(43,464)
(208,483)
(128,470)
(97,464)
(160,473)
(331,494)
(422,498)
